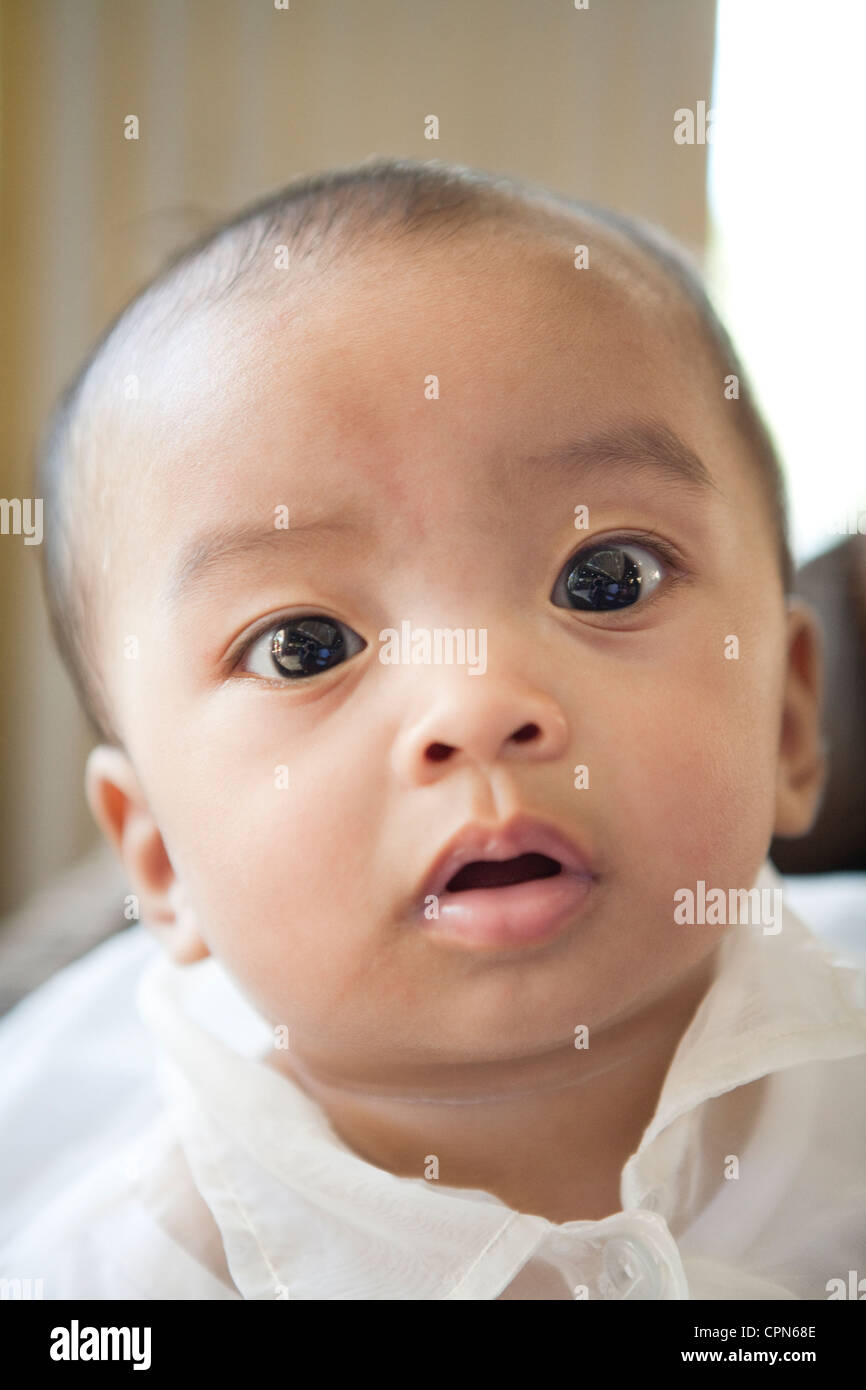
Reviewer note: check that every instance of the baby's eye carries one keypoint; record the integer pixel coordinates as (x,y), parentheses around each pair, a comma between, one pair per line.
(299,647)
(608,576)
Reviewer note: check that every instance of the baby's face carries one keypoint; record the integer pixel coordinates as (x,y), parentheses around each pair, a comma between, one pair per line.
(301,814)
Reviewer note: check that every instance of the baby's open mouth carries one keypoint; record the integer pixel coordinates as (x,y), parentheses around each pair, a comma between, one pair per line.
(495,873)
(494,888)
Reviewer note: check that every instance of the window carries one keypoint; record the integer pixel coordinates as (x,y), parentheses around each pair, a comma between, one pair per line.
(786,253)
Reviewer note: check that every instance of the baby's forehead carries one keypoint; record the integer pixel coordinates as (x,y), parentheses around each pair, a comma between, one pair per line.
(517,245)
(522,276)
(475,319)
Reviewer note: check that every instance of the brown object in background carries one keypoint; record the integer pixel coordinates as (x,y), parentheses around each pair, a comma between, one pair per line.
(834,583)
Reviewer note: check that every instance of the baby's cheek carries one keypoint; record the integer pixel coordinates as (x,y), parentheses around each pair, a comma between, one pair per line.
(695,784)
(279,872)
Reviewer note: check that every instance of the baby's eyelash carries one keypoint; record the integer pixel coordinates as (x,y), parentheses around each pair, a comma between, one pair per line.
(668,552)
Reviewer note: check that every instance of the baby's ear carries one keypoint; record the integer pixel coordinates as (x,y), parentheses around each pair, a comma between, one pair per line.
(121,811)
(802,755)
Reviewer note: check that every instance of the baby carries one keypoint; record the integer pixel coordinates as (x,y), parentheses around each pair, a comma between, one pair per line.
(420,557)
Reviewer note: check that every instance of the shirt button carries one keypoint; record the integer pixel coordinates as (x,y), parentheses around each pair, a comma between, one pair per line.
(630,1271)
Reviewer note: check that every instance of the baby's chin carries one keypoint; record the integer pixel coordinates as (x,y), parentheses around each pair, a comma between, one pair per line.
(532,1029)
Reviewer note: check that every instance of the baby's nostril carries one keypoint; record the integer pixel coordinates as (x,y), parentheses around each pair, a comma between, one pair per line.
(524,734)
(438,752)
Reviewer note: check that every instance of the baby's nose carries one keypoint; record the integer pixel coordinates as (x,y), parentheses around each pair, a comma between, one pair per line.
(482,727)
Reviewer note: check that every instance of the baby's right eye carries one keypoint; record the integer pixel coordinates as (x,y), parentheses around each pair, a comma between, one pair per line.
(299,647)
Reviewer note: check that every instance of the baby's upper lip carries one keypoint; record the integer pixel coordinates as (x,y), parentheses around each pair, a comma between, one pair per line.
(523,834)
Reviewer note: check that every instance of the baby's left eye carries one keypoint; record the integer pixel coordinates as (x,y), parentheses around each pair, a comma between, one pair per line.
(604,577)
(298,648)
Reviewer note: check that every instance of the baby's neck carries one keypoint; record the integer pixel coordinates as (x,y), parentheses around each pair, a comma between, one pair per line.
(542,1135)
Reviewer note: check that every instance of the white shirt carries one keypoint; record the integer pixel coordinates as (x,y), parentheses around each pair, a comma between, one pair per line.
(157,1157)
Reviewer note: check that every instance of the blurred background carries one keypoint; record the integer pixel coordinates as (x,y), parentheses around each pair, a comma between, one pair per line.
(236,97)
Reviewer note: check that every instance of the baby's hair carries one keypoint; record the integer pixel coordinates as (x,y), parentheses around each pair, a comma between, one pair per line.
(317,219)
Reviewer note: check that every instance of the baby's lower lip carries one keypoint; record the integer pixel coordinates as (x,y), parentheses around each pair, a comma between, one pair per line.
(522,914)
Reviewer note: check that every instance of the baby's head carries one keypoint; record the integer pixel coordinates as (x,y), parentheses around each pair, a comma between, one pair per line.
(400,399)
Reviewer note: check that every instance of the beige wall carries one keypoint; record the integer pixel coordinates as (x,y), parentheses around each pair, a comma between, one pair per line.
(234,98)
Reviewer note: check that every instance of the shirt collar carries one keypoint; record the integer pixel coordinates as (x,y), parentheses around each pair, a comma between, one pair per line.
(778,998)
(300,1211)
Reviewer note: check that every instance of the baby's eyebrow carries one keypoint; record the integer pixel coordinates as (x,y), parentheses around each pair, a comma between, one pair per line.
(640,447)
(207,553)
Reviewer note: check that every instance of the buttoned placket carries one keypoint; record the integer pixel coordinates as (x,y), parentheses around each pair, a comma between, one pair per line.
(630,1256)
